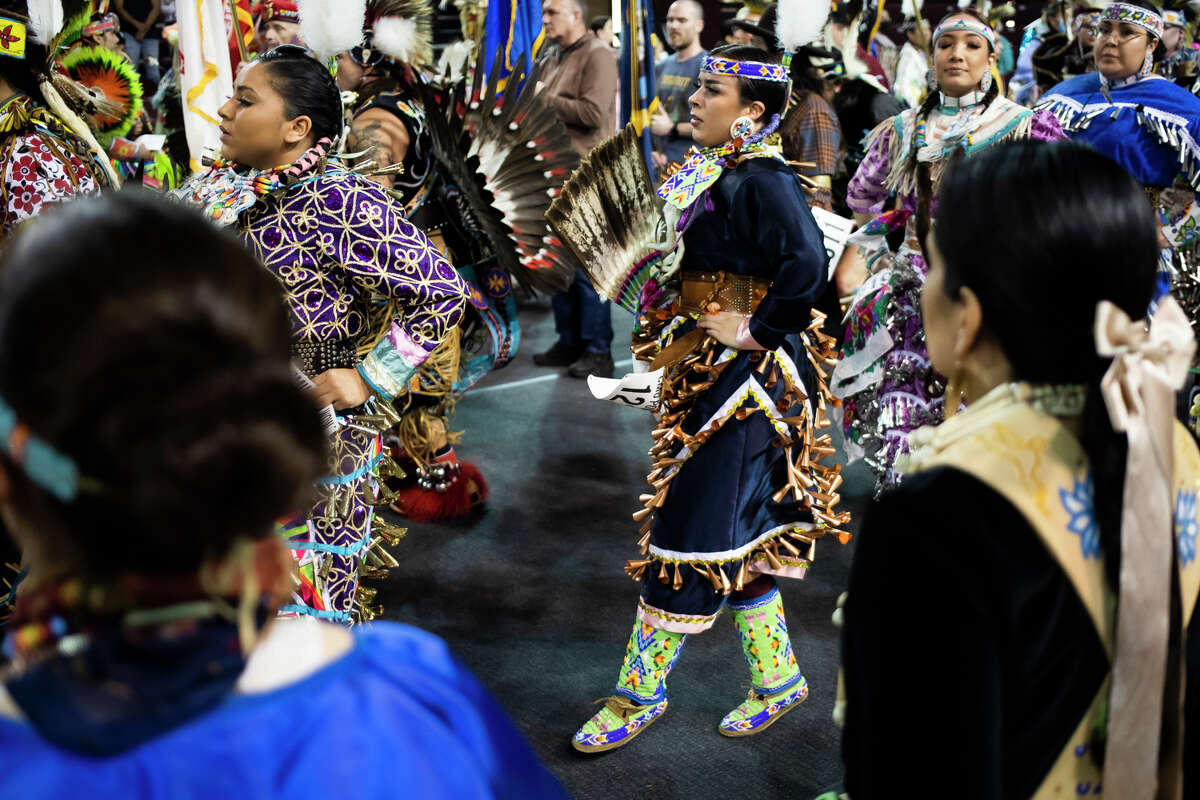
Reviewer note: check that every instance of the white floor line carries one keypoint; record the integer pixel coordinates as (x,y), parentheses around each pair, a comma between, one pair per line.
(537,379)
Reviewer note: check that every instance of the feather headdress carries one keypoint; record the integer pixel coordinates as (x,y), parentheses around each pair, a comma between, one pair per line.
(799,22)
(403,30)
(330,27)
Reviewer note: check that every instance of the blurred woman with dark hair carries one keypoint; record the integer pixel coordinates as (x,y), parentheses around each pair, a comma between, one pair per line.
(336,242)
(884,376)
(146,451)
(739,494)
(1053,521)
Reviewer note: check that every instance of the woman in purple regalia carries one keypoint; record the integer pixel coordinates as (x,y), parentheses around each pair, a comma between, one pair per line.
(884,376)
(340,246)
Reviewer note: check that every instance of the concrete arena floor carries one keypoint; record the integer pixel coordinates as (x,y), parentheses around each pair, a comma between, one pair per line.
(529,592)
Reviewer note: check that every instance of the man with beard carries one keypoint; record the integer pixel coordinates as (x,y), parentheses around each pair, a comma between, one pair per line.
(676,81)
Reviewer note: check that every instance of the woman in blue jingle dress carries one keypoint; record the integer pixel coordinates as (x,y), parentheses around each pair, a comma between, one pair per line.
(1142,121)
(737,495)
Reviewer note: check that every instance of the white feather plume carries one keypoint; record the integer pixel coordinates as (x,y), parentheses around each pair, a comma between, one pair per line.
(799,22)
(397,38)
(45,20)
(330,27)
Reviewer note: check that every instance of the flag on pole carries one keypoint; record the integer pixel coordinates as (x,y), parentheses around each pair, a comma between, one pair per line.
(205,73)
(515,25)
(239,23)
(638,98)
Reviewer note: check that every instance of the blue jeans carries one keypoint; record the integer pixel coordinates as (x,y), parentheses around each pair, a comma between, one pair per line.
(581,317)
(144,55)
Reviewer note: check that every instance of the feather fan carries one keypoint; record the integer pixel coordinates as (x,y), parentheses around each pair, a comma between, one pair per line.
(799,22)
(330,27)
(609,214)
(509,154)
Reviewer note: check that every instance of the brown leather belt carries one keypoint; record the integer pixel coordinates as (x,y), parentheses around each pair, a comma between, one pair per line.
(728,290)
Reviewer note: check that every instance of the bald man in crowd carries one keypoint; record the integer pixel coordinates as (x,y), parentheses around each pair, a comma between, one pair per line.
(677,81)
(581,82)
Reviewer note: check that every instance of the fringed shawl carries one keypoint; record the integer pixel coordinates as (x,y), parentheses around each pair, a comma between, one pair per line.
(1150,127)
(973,131)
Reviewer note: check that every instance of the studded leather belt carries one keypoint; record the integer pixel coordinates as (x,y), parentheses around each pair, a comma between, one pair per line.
(728,290)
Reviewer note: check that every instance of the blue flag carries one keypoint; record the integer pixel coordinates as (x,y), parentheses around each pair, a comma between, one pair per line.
(638,90)
(516,25)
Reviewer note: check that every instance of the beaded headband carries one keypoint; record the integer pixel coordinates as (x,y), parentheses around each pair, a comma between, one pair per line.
(1175,18)
(12,37)
(754,70)
(109,22)
(1134,15)
(45,466)
(963,24)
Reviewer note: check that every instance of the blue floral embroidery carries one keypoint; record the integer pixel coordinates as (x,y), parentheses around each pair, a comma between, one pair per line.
(1079,504)
(1186,526)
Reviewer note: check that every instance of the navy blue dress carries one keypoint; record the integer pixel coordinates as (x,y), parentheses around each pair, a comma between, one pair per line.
(720,511)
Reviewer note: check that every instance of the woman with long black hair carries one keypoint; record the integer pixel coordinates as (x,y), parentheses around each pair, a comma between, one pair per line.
(1053,522)
(883,376)
(335,241)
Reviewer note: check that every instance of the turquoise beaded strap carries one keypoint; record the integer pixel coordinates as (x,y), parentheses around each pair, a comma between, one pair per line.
(45,466)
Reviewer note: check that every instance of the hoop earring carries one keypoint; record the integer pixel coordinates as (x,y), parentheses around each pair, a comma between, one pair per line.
(986,83)
(740,129)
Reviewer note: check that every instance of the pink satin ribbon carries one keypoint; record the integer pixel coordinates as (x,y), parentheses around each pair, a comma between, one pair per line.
(1150,363)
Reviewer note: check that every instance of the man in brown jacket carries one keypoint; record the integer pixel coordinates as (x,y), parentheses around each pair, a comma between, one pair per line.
(582,83)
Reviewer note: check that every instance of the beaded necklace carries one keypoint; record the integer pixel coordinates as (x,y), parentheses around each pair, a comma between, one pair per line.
(227,188)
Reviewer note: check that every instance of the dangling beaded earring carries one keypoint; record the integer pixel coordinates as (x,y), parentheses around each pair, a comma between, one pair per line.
(986,83)
(1147,64)
(931,80)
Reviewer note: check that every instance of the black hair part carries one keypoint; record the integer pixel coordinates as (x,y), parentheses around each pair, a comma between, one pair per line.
(598,23)
(167,380)
(307,88)
(1041,232)
(772,94)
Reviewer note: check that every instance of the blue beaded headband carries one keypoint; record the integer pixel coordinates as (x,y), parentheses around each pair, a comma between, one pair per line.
(754,70)
(45,466)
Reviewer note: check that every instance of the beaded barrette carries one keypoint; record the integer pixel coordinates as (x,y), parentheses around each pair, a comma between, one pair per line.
(40,461)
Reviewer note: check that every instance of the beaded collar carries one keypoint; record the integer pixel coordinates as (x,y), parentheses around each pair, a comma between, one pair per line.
(953,104)
(227,189)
